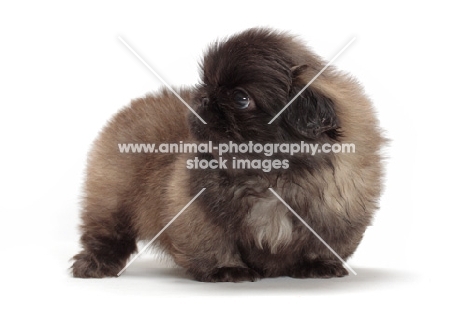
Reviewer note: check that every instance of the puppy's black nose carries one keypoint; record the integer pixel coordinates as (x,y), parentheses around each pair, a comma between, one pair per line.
(205,101)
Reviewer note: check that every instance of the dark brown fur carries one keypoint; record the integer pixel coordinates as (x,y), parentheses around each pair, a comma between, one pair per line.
(237,230)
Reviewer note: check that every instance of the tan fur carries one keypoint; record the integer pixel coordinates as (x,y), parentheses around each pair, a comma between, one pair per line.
(270,223)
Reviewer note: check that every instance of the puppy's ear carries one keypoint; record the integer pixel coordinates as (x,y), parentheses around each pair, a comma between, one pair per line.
(312,114)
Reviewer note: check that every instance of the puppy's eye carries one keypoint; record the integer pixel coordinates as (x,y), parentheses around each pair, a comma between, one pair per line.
(242,99)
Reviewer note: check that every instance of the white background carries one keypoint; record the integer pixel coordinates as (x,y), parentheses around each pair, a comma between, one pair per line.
(63,73)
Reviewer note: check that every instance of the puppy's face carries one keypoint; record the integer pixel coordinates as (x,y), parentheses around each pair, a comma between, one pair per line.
(246,81)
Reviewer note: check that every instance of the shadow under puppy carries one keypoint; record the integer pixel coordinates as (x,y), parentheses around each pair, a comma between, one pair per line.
(237,230)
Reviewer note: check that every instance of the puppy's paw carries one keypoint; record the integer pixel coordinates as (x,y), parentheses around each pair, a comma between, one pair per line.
(319,269)
(229,274)
(87,266)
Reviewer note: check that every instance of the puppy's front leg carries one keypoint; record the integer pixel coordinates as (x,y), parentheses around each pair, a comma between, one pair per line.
(318,268)
(225,274)
(207,251)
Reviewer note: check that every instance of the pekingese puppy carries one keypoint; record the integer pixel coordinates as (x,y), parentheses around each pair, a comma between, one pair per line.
(237,229)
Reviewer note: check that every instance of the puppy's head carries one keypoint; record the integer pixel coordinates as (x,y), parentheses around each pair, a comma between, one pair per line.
(248,79)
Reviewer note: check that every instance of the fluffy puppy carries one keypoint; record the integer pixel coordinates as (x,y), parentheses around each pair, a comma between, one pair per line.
(237,230)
